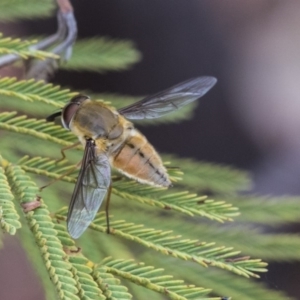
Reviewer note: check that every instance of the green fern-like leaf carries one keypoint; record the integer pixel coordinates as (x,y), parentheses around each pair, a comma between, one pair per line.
(102,54)
(82,272)
(267,210)
(210,177)
(184,202)
(12,10)
(153,279)
(224,283)
(87,287)
(22,48)
(31,90)
(185,249)
(33,253)
(37,128)
(110,285)
(9,219)
(247,240)
(45,235)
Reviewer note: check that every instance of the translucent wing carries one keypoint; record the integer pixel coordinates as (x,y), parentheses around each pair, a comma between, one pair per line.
(90,190)
(169,100)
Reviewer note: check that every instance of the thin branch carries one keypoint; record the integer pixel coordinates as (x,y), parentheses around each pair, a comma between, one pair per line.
(66,34)
(65,6)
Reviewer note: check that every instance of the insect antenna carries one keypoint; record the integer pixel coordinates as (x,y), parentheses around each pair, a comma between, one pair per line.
(52,117)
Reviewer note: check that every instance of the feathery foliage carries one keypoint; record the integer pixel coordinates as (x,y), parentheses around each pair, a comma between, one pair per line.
(43,230)
(12,10)
(250,241)
(22,48)
(31,90)
(267,210)
(102,54)
(184,202)
(182,228)
(228,284)
(196,251)
(210,177)
(148,276)
(9,219)
(34,127)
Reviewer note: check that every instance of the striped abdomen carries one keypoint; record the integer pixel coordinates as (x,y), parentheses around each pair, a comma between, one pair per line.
(137,159)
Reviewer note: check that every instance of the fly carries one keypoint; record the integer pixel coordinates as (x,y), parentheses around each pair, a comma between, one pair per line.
(110,140)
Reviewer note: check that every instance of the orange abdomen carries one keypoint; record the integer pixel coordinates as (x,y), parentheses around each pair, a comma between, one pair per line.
(137,159)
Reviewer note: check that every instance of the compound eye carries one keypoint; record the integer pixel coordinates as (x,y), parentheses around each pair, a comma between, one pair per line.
(70,109)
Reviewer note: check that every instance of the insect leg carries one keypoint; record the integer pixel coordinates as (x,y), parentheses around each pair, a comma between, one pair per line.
(61,176)
(116,178)
(62,151)
(107,207)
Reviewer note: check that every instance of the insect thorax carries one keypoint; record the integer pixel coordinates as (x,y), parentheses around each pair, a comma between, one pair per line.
(95,120)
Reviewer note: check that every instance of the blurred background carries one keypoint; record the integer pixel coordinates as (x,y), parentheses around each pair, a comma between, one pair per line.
(250,119)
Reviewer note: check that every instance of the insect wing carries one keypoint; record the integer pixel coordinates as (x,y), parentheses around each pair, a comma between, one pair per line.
(89,192)
(169,100)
